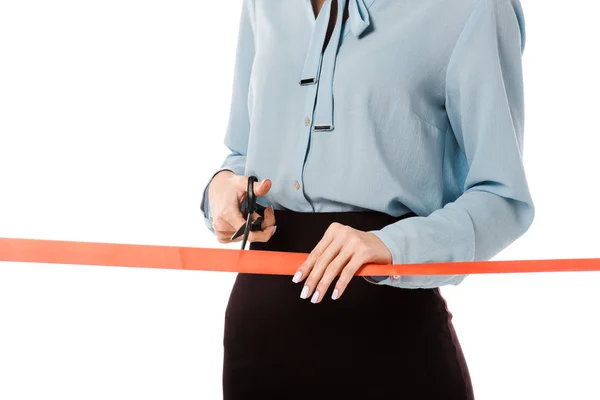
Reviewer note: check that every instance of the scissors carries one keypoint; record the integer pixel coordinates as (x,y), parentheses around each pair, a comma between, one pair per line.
(248,207)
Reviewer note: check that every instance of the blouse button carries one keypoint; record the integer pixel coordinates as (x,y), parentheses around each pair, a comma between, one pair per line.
(297,185)
(396,277)
(307,121)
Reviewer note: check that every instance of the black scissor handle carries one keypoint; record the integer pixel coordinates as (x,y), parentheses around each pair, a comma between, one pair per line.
(251,202)
(251,197)
(249,207)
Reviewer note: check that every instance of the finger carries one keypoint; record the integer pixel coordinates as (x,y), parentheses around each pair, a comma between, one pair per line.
(254,236)
(334,268)
(233,216)
(304,269)
(225,238)
(262,236)
(268,229)
(260,188)
(317,271)
(222,226)
(347,274)
(226,229)
(268,218)
(225,235)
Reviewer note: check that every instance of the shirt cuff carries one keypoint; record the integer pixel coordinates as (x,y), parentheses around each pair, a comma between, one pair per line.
(205,205)
(409,281)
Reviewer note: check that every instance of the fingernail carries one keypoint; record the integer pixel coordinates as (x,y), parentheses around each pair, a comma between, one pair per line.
(274,229)
(304,293)
(315,297)
(335,294)
(297,277)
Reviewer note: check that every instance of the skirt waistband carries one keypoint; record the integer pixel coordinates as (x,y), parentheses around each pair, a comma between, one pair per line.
(301,231)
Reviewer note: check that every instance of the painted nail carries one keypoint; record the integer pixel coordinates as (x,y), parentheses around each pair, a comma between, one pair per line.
(335,294)
(304,293)
(297,277)
(315,297)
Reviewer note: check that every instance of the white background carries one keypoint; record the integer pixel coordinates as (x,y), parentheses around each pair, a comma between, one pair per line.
(112,115)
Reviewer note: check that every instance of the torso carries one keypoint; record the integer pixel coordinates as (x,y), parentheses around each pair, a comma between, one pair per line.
(388,91)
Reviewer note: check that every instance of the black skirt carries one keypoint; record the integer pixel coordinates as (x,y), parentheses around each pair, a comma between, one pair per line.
(374,342)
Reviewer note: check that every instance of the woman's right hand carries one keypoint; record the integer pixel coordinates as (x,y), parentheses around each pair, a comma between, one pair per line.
(225,193)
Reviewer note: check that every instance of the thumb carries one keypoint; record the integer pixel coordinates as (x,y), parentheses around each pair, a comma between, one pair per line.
(262,188)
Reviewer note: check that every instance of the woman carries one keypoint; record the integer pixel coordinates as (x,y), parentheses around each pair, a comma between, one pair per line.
(382,131)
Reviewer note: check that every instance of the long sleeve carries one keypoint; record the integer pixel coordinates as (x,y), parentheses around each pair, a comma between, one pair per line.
(484,103)
(236,135)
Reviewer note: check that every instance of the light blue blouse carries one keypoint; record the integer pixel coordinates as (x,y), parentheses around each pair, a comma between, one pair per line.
(416,105)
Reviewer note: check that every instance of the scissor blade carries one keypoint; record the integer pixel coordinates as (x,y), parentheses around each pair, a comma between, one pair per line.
(239,232)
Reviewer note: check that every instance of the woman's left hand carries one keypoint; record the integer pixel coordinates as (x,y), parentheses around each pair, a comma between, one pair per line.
(341,251)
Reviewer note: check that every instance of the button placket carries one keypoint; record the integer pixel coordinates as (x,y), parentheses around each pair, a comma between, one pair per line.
(304,142)
(310,80)
(318,71)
